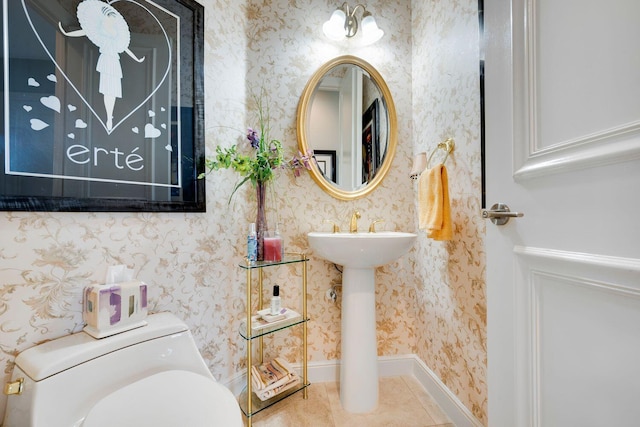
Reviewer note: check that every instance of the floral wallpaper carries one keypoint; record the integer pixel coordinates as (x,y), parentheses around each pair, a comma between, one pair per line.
(430,302)
(450,294)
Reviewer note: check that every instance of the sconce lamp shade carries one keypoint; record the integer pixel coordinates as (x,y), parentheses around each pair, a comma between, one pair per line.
(371,33)
(344,24)
(334,27)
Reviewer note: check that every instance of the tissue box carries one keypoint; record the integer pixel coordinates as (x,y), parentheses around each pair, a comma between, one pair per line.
(114,308)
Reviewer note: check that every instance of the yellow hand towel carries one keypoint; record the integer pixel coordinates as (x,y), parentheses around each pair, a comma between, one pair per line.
(433,203)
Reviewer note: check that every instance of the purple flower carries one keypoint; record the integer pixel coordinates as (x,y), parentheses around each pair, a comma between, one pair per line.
(307,159)
(252,136)
(301,161)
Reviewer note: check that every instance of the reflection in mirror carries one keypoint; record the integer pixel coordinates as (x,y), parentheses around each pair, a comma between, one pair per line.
(346,99)
(347,117)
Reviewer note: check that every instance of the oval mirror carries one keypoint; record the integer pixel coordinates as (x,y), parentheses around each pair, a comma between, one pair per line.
(346,116)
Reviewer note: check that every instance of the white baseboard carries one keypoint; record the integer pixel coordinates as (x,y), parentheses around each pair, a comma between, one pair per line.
(449,402)
(388,366)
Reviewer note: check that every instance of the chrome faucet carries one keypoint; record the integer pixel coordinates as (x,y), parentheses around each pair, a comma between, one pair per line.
(353,224)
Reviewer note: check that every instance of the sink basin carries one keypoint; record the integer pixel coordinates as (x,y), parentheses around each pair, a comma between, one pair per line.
(359,254)
(361,250)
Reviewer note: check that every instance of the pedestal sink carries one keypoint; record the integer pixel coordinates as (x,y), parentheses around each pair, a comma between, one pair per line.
(359,254)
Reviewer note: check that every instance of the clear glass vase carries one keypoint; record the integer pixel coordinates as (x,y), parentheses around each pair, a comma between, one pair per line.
(261,218)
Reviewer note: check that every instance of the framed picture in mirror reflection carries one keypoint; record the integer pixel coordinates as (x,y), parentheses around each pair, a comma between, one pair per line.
(370,141)
(326,161)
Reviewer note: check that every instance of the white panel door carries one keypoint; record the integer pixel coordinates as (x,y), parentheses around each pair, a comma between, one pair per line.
(562,96)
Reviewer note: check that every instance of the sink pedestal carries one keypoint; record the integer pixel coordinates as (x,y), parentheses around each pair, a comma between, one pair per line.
(359,254)
(359,370)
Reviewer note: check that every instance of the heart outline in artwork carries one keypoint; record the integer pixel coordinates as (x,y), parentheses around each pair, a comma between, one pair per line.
(68,80)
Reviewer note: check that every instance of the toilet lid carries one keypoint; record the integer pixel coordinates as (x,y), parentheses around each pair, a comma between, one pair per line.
(167,399)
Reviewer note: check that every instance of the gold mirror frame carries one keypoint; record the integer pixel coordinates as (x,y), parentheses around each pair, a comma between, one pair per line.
(303,108)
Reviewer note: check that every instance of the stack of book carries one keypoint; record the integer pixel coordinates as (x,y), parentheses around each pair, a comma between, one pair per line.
(272,378)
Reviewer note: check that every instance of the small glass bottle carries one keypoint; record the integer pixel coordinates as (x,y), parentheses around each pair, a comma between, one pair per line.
(252,243)
(275,301)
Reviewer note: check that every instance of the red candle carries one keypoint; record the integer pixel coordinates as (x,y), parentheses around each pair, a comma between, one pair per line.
(272,249)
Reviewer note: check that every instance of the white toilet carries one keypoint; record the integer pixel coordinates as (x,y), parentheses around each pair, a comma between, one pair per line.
(148,376)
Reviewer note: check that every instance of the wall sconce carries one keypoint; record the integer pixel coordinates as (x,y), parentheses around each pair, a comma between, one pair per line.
(344,23)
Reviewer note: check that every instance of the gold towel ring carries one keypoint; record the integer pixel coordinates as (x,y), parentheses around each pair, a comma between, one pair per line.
(448,145)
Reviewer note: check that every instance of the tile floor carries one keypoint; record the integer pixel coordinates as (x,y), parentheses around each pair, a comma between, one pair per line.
(403,402)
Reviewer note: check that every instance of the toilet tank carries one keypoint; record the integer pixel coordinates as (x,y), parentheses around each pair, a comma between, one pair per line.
(64,378)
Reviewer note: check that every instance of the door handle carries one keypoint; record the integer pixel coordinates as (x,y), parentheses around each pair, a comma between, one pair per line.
(499,214)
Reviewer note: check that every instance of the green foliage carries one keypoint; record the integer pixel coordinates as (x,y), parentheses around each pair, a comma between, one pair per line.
(264,158)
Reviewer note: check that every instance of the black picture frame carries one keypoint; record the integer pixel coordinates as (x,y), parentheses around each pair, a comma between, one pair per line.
(371,159)
(76,138)
(326,161)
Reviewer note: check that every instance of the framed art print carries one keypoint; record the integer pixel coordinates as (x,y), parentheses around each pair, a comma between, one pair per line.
(102,105)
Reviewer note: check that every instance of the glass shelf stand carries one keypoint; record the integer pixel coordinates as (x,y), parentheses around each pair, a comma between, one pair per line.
(250,404)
